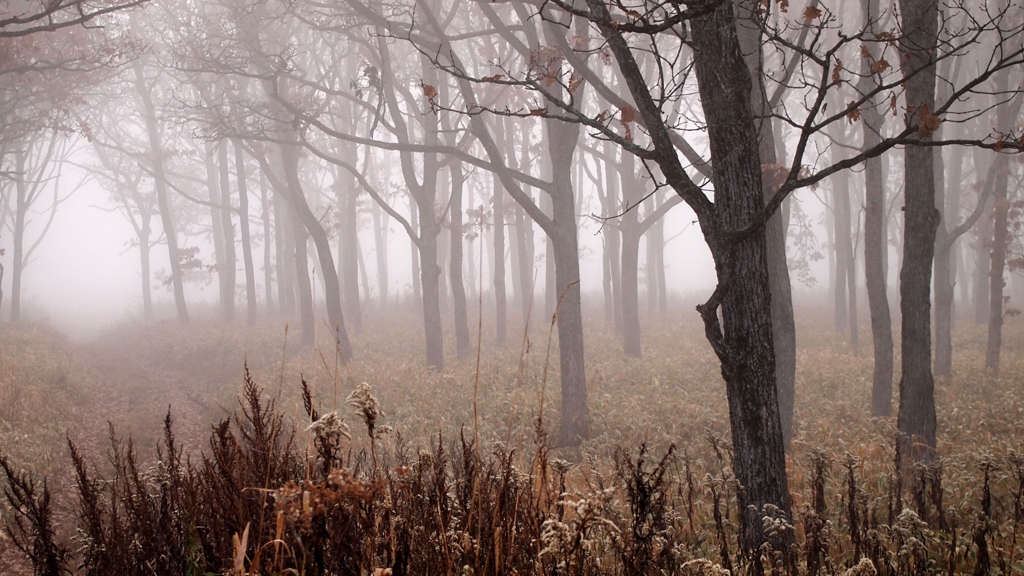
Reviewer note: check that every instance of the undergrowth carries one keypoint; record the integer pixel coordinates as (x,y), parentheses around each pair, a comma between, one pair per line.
(306,475)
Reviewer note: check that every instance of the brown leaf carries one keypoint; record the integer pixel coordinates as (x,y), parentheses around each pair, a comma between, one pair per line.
(634,14)
(835,72)
(574,82)
(627,114)
(864,51)
(783,5)
(602,117)
(811,12)
(929,122)
(853,115)
(429,91)
(879,65)
(538,111)
(495,78)
(892,104)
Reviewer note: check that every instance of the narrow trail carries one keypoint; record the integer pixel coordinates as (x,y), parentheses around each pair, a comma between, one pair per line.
(133,393)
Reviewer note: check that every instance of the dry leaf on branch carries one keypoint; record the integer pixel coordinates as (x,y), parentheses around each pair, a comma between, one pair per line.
(853,115)
(811,12)
(929,122)
(627,114)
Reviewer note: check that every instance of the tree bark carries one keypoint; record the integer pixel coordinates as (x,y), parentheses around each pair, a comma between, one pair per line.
(743,341)
(749,37)
(500,298)
(629,228)
(875,248)
(228,229)
(462,345)
(243,224)
(380,238)
(268,277)
(916,420)
(332,292)
(1006,117)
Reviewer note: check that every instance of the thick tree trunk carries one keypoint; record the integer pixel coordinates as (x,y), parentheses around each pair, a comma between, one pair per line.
(462,346)
(228,229)
(749,37)
(575,423)
(160,184)
(243,224)
(916,421)
(743,341)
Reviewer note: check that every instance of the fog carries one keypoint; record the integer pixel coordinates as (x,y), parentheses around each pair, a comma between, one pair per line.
(780,237)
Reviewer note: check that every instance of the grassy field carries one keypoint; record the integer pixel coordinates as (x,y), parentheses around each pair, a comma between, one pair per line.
(650,492)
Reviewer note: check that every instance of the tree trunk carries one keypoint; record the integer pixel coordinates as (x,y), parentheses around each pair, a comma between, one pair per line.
(430,275)
(380,238)
(575,423)
(629,228)
(875,248)
(743,341)
(843,247)
(243,224)
(462,346)
(613,239)
(160,184)
(147,291)
(916,420)
(216,226)
(500,299)
(332,292)
(749,36)
(944,270)
(18,258)
(524,230)
(1000,236)
(303,285)
(286,275)
(268,277)
(347,195)
(228,230)
(417,290)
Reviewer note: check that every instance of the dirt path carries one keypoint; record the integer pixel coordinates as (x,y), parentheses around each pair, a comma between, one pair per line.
(133,394)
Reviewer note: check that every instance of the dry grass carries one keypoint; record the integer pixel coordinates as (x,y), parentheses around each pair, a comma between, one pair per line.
(617,504)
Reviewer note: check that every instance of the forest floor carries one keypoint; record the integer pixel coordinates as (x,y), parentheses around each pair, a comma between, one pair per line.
(128,379)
